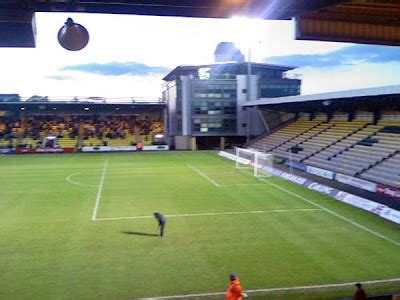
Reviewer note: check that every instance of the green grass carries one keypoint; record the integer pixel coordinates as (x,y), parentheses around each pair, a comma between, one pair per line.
(51,249)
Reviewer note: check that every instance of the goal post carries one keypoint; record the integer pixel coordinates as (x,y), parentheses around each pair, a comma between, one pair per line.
(254,160)
(244,157)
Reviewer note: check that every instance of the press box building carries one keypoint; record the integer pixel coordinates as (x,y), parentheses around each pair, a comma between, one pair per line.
(205,102)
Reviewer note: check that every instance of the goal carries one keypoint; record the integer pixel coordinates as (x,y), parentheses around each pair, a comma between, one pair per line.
(254,160)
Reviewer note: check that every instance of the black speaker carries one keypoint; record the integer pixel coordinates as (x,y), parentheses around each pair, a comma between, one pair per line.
(73,36)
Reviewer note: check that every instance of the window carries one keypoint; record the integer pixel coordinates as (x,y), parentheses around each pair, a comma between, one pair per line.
(214,107)
(278,90)
(214,91)
(214,125)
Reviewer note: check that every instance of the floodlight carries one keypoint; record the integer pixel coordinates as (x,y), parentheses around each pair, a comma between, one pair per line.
(327,102)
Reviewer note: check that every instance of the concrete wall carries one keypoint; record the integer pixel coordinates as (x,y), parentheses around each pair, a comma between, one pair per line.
(169,95)
(249,116)
(186,105)
(183,142)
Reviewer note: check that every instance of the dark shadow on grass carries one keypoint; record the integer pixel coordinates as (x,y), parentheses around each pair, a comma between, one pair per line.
(139,233)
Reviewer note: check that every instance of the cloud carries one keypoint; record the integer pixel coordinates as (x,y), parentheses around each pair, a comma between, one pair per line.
(348,56)
(324,80)
(117,68)
(59,77)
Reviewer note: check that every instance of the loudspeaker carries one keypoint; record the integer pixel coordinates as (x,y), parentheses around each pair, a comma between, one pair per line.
(73,36)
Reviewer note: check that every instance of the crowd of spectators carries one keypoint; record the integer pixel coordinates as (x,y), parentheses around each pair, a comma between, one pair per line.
(59,127)
(118,127)
(100,127)
(10,129)
(109,127)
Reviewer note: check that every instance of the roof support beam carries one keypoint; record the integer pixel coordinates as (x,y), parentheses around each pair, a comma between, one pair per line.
(287,9)
(347,31)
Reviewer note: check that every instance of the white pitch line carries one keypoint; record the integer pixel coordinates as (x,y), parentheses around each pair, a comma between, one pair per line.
(377,234)
(135,170)
(68,178)
(204,175)
(141,168)
(241,184)
(100,190)
(216,214)
(283,289)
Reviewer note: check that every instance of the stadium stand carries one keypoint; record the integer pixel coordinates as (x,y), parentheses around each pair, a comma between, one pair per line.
(69,131)
(119,131)
(283,150)
(283,136)
(376,144)
(9,131)
(36,129)
(356,148)
(387,140)
(384,172)
(333,157)
(332,132)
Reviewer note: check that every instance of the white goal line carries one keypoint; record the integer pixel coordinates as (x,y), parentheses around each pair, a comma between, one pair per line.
(213,182)
(283,289)
(215,214)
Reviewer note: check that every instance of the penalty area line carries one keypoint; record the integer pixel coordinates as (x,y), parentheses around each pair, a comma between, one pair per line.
(282,289)
(99,191)
(242,184)
(333,213)
(329,211)
(215,214)
(204,175)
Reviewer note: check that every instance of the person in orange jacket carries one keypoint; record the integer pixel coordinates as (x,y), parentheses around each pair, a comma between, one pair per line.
(235,291)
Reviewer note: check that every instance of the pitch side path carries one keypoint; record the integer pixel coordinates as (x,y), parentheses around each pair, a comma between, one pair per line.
(80,226)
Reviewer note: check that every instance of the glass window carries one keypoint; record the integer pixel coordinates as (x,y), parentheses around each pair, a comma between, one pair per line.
(278,90)
(215,125)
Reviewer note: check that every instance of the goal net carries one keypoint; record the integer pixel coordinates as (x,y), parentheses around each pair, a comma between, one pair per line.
(254,160)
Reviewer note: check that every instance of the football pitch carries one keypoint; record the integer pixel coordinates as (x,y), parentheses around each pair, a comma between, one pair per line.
(80,226)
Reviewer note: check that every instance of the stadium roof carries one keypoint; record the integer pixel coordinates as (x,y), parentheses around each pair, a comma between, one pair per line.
(80,100)
(360,21)
(357,94)
(183,70)
(52,107)
(368,98)
(266,9)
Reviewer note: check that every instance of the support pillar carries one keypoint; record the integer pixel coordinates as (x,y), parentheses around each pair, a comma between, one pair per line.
(247,124)
(222,143)
(194,144)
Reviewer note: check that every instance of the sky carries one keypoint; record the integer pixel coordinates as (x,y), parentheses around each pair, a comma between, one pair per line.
(127,56)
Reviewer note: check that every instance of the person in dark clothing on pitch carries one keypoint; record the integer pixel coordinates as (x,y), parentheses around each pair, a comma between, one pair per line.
(360,293)
(162,220)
